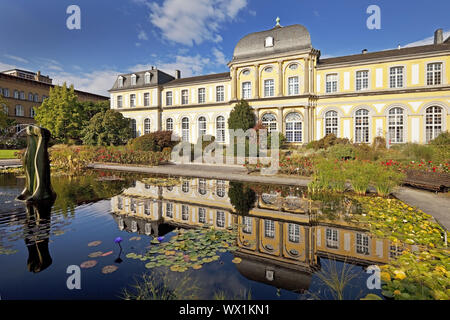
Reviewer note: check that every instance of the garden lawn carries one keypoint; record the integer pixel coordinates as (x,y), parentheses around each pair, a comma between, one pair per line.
(8,154)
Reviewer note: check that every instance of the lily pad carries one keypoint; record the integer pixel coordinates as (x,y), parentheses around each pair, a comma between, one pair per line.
(236,260)
(88,264)
(109,269)
(94,243)
(95,254)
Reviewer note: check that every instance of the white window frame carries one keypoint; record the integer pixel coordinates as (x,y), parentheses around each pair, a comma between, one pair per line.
(146,99)
(269,228)
(294,233)
(147,125)
(220,129)
(133,80)
(220,188)
(185,129)
(396,129)
(169,124)
(202,186)
(134,128)
(362,127)
(220,93)
(185,96)
(293,85)
(434,122)
(132,100)
(247,225)
(362,243)
(169,98)
(19,111)
(220,219)
(293,127)
(331,83)
(202,215)
(184,212)
(269,88)
(396,77)
(271,124)
(434,74)
(332,238)
(362,80)
(120,82)
(247,90)
(119,102)
(169,209)
(331,122)
(201,95)
(202,124)
(147,78)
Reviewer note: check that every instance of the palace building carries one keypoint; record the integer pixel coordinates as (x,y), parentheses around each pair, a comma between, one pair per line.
(23,90)
(401,94)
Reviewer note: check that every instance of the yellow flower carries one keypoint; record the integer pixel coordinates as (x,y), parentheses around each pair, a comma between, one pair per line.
(397,292)
(440,268)
(385,276)
(400,275)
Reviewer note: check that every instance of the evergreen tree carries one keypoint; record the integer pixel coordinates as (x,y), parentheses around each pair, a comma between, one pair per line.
(241,117)
(107,128)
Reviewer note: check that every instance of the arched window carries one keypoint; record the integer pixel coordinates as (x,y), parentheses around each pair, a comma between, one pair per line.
(147,126)
(185,129)
(147,77)
(331,122)
(120,82)
(220,129)
(133,128)
(396,125)
(202,186)
(270,122)
(362,126)
(169,124)
(220,188)
(201,126)
(133,80)
(293,127)
(433,122)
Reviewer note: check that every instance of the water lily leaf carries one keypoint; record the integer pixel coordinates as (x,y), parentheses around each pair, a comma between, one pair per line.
(88,264)
(109,269)
(236,260)
(196,266)
(94,243)
(371,296)
(95,254)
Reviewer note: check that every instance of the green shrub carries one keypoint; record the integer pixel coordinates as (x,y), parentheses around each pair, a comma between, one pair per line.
(341,152)
(416,152)
(360,175)
(154,141)
(379,143)
(364,151)
(326,142)
(385,179)
(441,140)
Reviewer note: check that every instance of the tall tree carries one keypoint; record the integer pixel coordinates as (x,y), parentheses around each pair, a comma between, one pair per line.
(241,117)
(3,115)
(107,128)
(61,114)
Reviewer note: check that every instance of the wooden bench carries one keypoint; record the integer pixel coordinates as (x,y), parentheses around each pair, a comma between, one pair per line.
(435,181)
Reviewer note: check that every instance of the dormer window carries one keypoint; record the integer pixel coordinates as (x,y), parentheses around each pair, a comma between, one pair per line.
(147,77)
(120,82)
(133,80)
(268,42)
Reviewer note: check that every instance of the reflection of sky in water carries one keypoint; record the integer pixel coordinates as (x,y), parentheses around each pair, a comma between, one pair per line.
(70,232)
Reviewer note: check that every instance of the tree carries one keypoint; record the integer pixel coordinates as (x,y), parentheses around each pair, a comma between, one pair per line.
(3,115)
(107,128)
(61,114)
(241,117)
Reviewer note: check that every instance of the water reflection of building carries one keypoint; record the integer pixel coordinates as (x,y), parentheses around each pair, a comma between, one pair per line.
(280,239)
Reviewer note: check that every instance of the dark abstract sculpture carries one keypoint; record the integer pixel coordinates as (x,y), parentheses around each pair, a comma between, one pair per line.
(37,166)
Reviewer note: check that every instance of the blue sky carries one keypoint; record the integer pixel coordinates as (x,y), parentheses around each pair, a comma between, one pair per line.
(195,36)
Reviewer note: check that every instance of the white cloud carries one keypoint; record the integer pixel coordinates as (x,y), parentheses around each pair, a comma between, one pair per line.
(192,22)
(220,57)
(429,40)
(16,58)
(6,66)
(98,81)
(142,35)
(252,12)
(188,65)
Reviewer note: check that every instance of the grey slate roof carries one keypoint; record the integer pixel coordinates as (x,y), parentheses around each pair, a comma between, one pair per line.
(285,39)
(432,48)
(156,77)
(208,77)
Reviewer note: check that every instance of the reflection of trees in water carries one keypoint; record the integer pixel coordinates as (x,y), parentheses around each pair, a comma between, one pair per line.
(73,191)
(242,197)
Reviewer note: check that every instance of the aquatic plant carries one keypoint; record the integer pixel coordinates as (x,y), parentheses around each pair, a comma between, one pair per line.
(109,269)
(188,249)
(161,285)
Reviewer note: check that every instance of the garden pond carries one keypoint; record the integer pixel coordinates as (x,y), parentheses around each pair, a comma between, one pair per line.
(148,237)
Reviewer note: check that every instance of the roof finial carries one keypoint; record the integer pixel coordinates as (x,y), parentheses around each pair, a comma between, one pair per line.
(278,22)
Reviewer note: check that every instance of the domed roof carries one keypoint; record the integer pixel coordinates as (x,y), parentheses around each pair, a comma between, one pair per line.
(290,38)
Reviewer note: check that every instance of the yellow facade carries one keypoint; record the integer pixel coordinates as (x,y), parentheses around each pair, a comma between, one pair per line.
(402,94)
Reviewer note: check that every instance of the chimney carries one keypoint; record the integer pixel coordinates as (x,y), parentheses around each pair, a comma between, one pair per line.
(364,51)
(438,36)
(177,74)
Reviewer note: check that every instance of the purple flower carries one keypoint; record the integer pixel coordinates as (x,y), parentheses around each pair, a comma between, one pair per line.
(118,240)
(160,239)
